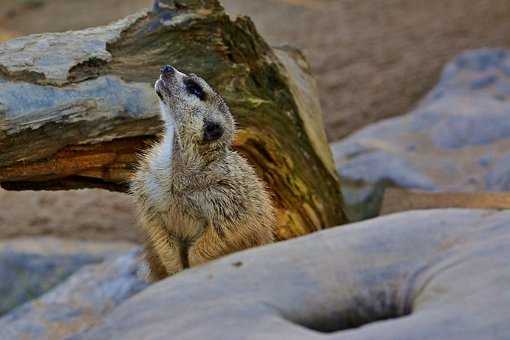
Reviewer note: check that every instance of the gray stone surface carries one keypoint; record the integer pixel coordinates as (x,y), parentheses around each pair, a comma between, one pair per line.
(31,266)
(457,139)
(79,302)
(441,274)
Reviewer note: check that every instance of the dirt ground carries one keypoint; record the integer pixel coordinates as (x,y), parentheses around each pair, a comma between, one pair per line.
(81,214)
(372,60)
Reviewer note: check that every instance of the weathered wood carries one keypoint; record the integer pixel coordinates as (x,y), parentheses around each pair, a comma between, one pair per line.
(398,200)
(78,106)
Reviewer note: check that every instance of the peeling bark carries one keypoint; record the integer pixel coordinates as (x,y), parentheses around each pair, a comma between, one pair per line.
(76,107)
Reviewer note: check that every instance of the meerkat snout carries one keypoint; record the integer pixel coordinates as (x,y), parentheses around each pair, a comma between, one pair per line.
(163,84)
(167,70)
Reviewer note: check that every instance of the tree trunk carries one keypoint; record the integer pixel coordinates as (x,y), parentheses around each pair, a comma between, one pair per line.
(76,107)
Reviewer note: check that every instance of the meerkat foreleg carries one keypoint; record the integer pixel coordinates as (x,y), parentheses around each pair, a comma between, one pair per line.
(166,247)
(210,245)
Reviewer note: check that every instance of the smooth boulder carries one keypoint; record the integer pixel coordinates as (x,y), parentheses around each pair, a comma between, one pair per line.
(440,274)
(456,140)
(78,303)
(31,266)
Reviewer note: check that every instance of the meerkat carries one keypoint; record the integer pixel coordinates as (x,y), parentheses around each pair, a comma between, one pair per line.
(197,198)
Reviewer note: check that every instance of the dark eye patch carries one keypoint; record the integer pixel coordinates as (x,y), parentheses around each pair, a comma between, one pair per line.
(194,88)
(159,95)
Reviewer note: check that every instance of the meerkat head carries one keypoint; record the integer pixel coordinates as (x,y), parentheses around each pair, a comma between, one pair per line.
(199,114)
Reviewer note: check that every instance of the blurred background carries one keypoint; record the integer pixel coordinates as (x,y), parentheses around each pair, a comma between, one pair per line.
(371,59)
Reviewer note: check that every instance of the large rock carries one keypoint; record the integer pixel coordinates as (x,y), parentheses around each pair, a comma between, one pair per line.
(457,139)
(31,266)
(80,302)
(439,274)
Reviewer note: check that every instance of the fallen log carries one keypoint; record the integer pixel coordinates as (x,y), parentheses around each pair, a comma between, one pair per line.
(397,200)
(76,107)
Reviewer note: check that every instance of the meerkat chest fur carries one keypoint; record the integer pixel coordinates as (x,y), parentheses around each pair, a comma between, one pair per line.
(174,180)
(188,191)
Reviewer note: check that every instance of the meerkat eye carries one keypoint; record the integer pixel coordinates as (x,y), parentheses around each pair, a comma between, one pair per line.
(194,88)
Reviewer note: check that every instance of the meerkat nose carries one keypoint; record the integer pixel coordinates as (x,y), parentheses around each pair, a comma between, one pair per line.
(167,71)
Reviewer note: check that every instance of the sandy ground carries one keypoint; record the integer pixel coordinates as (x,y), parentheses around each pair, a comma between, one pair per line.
(372,59)
(82,214)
